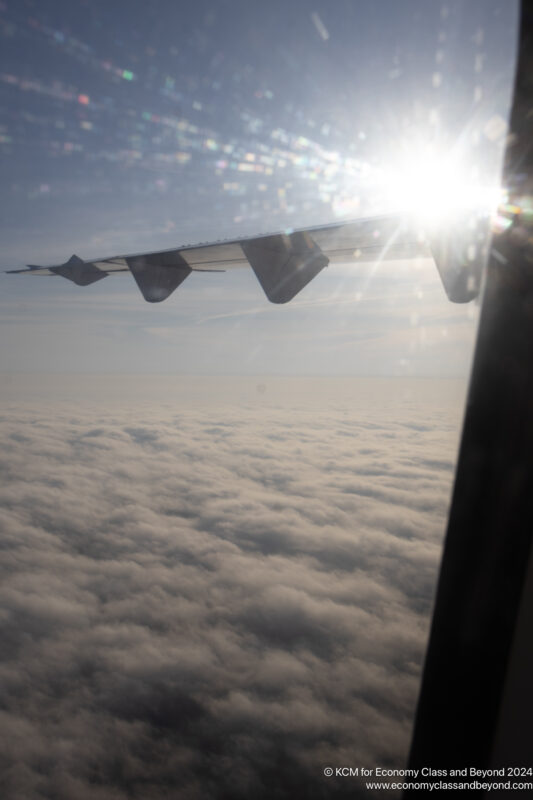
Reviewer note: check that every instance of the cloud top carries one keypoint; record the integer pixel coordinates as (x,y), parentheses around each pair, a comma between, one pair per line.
(216,603)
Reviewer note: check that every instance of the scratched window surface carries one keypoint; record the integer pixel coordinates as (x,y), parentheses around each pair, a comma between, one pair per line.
(222,518)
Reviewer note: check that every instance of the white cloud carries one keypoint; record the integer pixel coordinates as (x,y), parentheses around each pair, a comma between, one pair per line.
(217,597)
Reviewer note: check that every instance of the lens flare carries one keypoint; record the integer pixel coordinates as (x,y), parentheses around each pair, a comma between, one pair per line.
(435,190)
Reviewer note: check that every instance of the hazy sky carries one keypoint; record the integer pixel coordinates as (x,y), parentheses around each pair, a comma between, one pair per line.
(134,126)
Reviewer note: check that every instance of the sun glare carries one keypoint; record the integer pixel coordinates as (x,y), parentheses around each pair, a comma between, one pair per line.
(436,190)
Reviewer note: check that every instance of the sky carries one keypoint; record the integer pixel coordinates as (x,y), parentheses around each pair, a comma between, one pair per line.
(221,519)
(129,127)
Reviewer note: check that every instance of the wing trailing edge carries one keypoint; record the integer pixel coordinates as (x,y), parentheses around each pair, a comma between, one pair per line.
(80,272)
(283,262)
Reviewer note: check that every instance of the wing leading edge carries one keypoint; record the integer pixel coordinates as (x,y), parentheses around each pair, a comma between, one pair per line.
(284,263)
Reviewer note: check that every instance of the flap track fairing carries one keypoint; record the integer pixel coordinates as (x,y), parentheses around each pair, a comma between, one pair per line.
(284,263)
(158,274)
(80,272)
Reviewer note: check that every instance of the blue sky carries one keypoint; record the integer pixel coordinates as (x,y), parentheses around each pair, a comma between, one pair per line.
(140,126)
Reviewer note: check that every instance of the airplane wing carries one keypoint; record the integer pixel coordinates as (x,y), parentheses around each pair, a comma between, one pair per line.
(284,262)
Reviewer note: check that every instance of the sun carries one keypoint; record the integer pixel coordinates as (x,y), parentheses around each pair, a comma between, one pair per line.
(436,190)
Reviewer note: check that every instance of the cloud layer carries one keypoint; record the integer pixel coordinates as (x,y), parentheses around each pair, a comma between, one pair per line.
(218,599)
